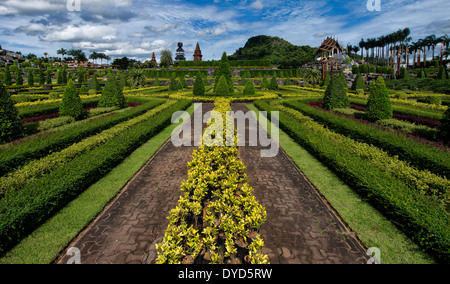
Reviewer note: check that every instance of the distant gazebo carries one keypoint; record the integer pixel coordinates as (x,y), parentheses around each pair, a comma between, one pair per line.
(329,50)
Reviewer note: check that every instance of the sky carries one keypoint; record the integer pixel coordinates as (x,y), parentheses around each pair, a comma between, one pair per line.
(137,28)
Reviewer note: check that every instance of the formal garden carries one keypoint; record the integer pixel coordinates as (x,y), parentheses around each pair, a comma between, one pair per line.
(385,143)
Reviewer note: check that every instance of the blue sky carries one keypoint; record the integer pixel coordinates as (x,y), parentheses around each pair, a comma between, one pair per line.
(137,28)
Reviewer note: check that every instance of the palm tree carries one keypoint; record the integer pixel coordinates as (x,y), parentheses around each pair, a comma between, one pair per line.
(137,77)
(166,58)
(93,56)
(444,41)
(62,52)
(312,75)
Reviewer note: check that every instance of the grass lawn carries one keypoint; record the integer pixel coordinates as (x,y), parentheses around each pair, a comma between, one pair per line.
(370,226)
(45,244)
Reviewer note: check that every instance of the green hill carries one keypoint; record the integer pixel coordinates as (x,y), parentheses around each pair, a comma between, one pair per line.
(279,51)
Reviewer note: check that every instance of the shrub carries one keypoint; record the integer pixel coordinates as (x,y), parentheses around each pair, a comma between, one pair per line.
(71,104)
(83,89)
(19,78)
(264,84)
(335,95)
(326,81)
(404,74)
(355,69)
(30,79)
(199,87)
(444,128)
(173,84)
(359,83)
(287,82)
(379,104)
(94,84)
(249,89)
(112,95)
(422,74)
(7,80)
(443,73)
(273,84)
(222,89)
(11,125)
(48,79)
(433,100)
(224,70)
(53,96)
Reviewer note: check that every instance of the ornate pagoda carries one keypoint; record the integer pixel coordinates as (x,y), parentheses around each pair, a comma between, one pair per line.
(329,50)
(180,53)
(198,53)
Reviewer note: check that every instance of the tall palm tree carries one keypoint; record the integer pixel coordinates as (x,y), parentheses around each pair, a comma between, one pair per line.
(62,52)
(445,42)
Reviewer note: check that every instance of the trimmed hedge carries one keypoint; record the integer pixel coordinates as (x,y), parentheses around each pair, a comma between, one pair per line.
(23,211)
(17,155)
(420,217)
(422,156)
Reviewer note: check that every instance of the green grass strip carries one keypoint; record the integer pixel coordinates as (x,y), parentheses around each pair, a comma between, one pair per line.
(47,242)
(371,227)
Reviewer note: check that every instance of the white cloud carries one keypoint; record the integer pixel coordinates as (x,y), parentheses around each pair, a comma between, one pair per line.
(258,4)
(82,33)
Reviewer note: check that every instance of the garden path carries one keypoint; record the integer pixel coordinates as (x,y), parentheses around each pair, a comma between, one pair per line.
(300,227)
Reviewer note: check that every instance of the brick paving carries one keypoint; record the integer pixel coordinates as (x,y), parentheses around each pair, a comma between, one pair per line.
(300,227)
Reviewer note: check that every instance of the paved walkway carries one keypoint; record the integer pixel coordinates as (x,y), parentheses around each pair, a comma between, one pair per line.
(300,228)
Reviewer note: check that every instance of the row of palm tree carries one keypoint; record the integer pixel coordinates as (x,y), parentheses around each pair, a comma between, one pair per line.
(99,55)
(397,46)
(78,54)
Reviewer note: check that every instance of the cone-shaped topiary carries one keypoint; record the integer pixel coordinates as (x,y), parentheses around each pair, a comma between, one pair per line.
(8,79)
(30,79)
(358,83)
(112,95)
(224,70)
(19,78)
(404,74)
(264,84)
(444,128)
(199,87)
(343,81)
(93,84)
(173,84)
(222,89)
(288,82)
(10,124)
(71,104)
(335,95)
(443,74)
(48,79)
(273,86)
(249,89)
(379,104)
(326,81)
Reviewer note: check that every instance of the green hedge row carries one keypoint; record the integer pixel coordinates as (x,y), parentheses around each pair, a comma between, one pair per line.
(422,218)
(279,73)
(422,156)
(175,73)
(51,108)
(12,157)
(233,63)
(23,211)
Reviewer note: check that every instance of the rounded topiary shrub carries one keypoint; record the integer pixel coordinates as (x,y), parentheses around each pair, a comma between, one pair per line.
(379,104)
(249,89)
(71,104)
(10,124)
(335,95)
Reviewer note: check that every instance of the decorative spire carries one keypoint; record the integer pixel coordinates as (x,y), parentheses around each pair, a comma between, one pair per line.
(198,53)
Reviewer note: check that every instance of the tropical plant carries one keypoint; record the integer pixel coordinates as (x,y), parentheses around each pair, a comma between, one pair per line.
(166,58)
(312,75)
(62,52)
(137,77)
